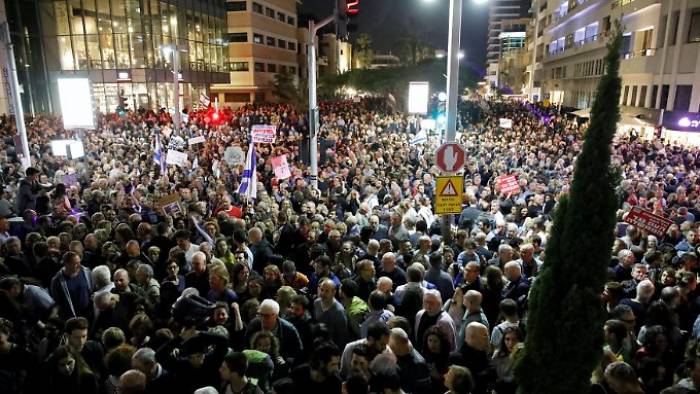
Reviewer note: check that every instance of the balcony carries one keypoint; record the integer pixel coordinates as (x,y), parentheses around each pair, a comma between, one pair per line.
(588,43)
(642,61)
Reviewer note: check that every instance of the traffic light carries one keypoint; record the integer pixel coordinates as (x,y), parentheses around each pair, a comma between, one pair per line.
(353,7)
(123,106)
(341,19)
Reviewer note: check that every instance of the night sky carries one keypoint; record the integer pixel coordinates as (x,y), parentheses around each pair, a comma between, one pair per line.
(388,20)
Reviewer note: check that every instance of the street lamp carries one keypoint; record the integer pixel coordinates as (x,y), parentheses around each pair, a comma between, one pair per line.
(168,50)
(453,56)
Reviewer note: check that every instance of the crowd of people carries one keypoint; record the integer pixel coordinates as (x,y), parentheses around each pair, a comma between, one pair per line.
(121,274)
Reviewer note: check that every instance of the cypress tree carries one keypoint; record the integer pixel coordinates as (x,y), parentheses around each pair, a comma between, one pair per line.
(566,316)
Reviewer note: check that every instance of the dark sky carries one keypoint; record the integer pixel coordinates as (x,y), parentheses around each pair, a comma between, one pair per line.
(388,20)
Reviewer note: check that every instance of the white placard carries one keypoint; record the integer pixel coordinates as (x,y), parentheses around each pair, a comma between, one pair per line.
(281,167)
(263,133)
(75,97)
(196,140)
(72,149)
(176,157)
(234,155)
(418,93)
(505,123)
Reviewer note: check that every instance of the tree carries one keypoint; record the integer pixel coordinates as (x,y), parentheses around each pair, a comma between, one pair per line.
(288,90)
(363,51)
(565,322)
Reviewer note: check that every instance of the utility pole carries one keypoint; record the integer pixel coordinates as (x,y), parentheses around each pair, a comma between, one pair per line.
(453,69)
(16,101)
(313,104)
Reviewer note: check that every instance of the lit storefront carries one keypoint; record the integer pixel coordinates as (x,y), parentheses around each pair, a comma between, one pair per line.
(681,127)
(118,45)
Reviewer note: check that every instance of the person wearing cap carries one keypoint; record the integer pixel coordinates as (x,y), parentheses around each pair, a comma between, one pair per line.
(28,190)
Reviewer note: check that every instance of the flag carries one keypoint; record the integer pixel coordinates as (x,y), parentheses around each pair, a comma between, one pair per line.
(158,156)
(204,100)
(249,182)
(422,136)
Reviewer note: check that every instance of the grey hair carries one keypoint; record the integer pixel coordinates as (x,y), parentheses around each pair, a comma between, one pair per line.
(145,356)
(146,269)
(101,276)
(270,304)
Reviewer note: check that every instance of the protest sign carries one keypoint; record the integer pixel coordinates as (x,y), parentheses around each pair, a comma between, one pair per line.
(196,140)
(234,155)
(281,167)
(648,221)
(505,123)
(263,133)
(176,157)
(508,184)
(170,204)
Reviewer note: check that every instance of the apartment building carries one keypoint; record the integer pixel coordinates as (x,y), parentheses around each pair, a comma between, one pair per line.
(510,39)
(262,41)
(660,56)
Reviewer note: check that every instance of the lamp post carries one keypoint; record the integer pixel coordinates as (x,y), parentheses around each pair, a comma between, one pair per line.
(453,57)
(15,101)
(175,51)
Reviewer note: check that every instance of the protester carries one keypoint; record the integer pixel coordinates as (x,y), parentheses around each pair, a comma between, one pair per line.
(176,271)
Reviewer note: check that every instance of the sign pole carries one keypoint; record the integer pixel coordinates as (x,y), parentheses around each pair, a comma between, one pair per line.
(16,100)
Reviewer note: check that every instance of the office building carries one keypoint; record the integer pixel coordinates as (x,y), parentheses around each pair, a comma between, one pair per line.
(262,41)
(118,45)
(500,11)
(510,39)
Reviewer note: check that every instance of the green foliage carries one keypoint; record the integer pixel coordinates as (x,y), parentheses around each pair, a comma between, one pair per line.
(363,51)
(287,90)
(565,322)
(395,80)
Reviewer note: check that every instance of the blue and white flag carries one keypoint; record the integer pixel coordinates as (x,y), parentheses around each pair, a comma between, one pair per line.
(422,136)
(249,182)
(158,156)
(204,100)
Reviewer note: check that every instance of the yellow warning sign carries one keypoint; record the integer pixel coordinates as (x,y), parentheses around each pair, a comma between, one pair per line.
(448,196)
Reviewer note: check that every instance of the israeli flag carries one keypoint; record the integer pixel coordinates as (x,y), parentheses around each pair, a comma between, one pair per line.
(204,100)
(158,156)
(422,136)
(249,182)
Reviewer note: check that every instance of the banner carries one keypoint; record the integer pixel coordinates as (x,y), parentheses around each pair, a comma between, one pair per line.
(648,221)
(421,136)
(234,155)
(508,184)
(281,167)
(176,158)
(263,133)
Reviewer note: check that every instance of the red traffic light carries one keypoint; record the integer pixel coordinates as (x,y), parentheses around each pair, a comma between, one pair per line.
(353,7)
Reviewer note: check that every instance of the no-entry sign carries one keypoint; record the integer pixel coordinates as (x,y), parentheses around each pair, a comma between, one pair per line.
(450,157)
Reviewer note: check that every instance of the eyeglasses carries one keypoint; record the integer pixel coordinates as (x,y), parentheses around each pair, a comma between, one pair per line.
(265,315)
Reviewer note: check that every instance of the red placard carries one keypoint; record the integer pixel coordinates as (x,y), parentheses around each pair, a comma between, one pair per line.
(648,221)
(508,184)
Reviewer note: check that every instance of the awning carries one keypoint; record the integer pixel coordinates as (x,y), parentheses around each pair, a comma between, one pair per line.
(583,113)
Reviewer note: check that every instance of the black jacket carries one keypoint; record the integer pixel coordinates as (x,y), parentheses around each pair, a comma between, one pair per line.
(288,336)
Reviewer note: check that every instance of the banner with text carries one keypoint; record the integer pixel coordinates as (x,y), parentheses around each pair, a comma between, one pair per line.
(263,133)
(648,221)
(508,184)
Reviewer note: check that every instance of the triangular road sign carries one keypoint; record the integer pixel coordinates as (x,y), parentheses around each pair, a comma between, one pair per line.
(449,190)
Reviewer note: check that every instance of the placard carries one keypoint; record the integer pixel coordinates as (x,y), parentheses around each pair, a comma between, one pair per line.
(170,204)
(234,155)
(508,184)
(263,133)
(196,140)
(648,221)
(281,167)
(505,123)
(176,158)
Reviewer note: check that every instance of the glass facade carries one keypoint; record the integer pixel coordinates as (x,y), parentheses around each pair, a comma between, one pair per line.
(118,44)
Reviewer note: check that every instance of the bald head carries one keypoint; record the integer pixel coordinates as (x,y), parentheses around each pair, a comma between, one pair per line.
(132,381)
(432,302)
(477,336)
(512,270)
(474,299)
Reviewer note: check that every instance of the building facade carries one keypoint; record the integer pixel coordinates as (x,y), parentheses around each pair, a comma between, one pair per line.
(119,45)
(660,65)
(500,11)
(262,41)
(510,39)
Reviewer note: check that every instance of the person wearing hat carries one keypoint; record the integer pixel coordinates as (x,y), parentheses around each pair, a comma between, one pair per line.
(28,190)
